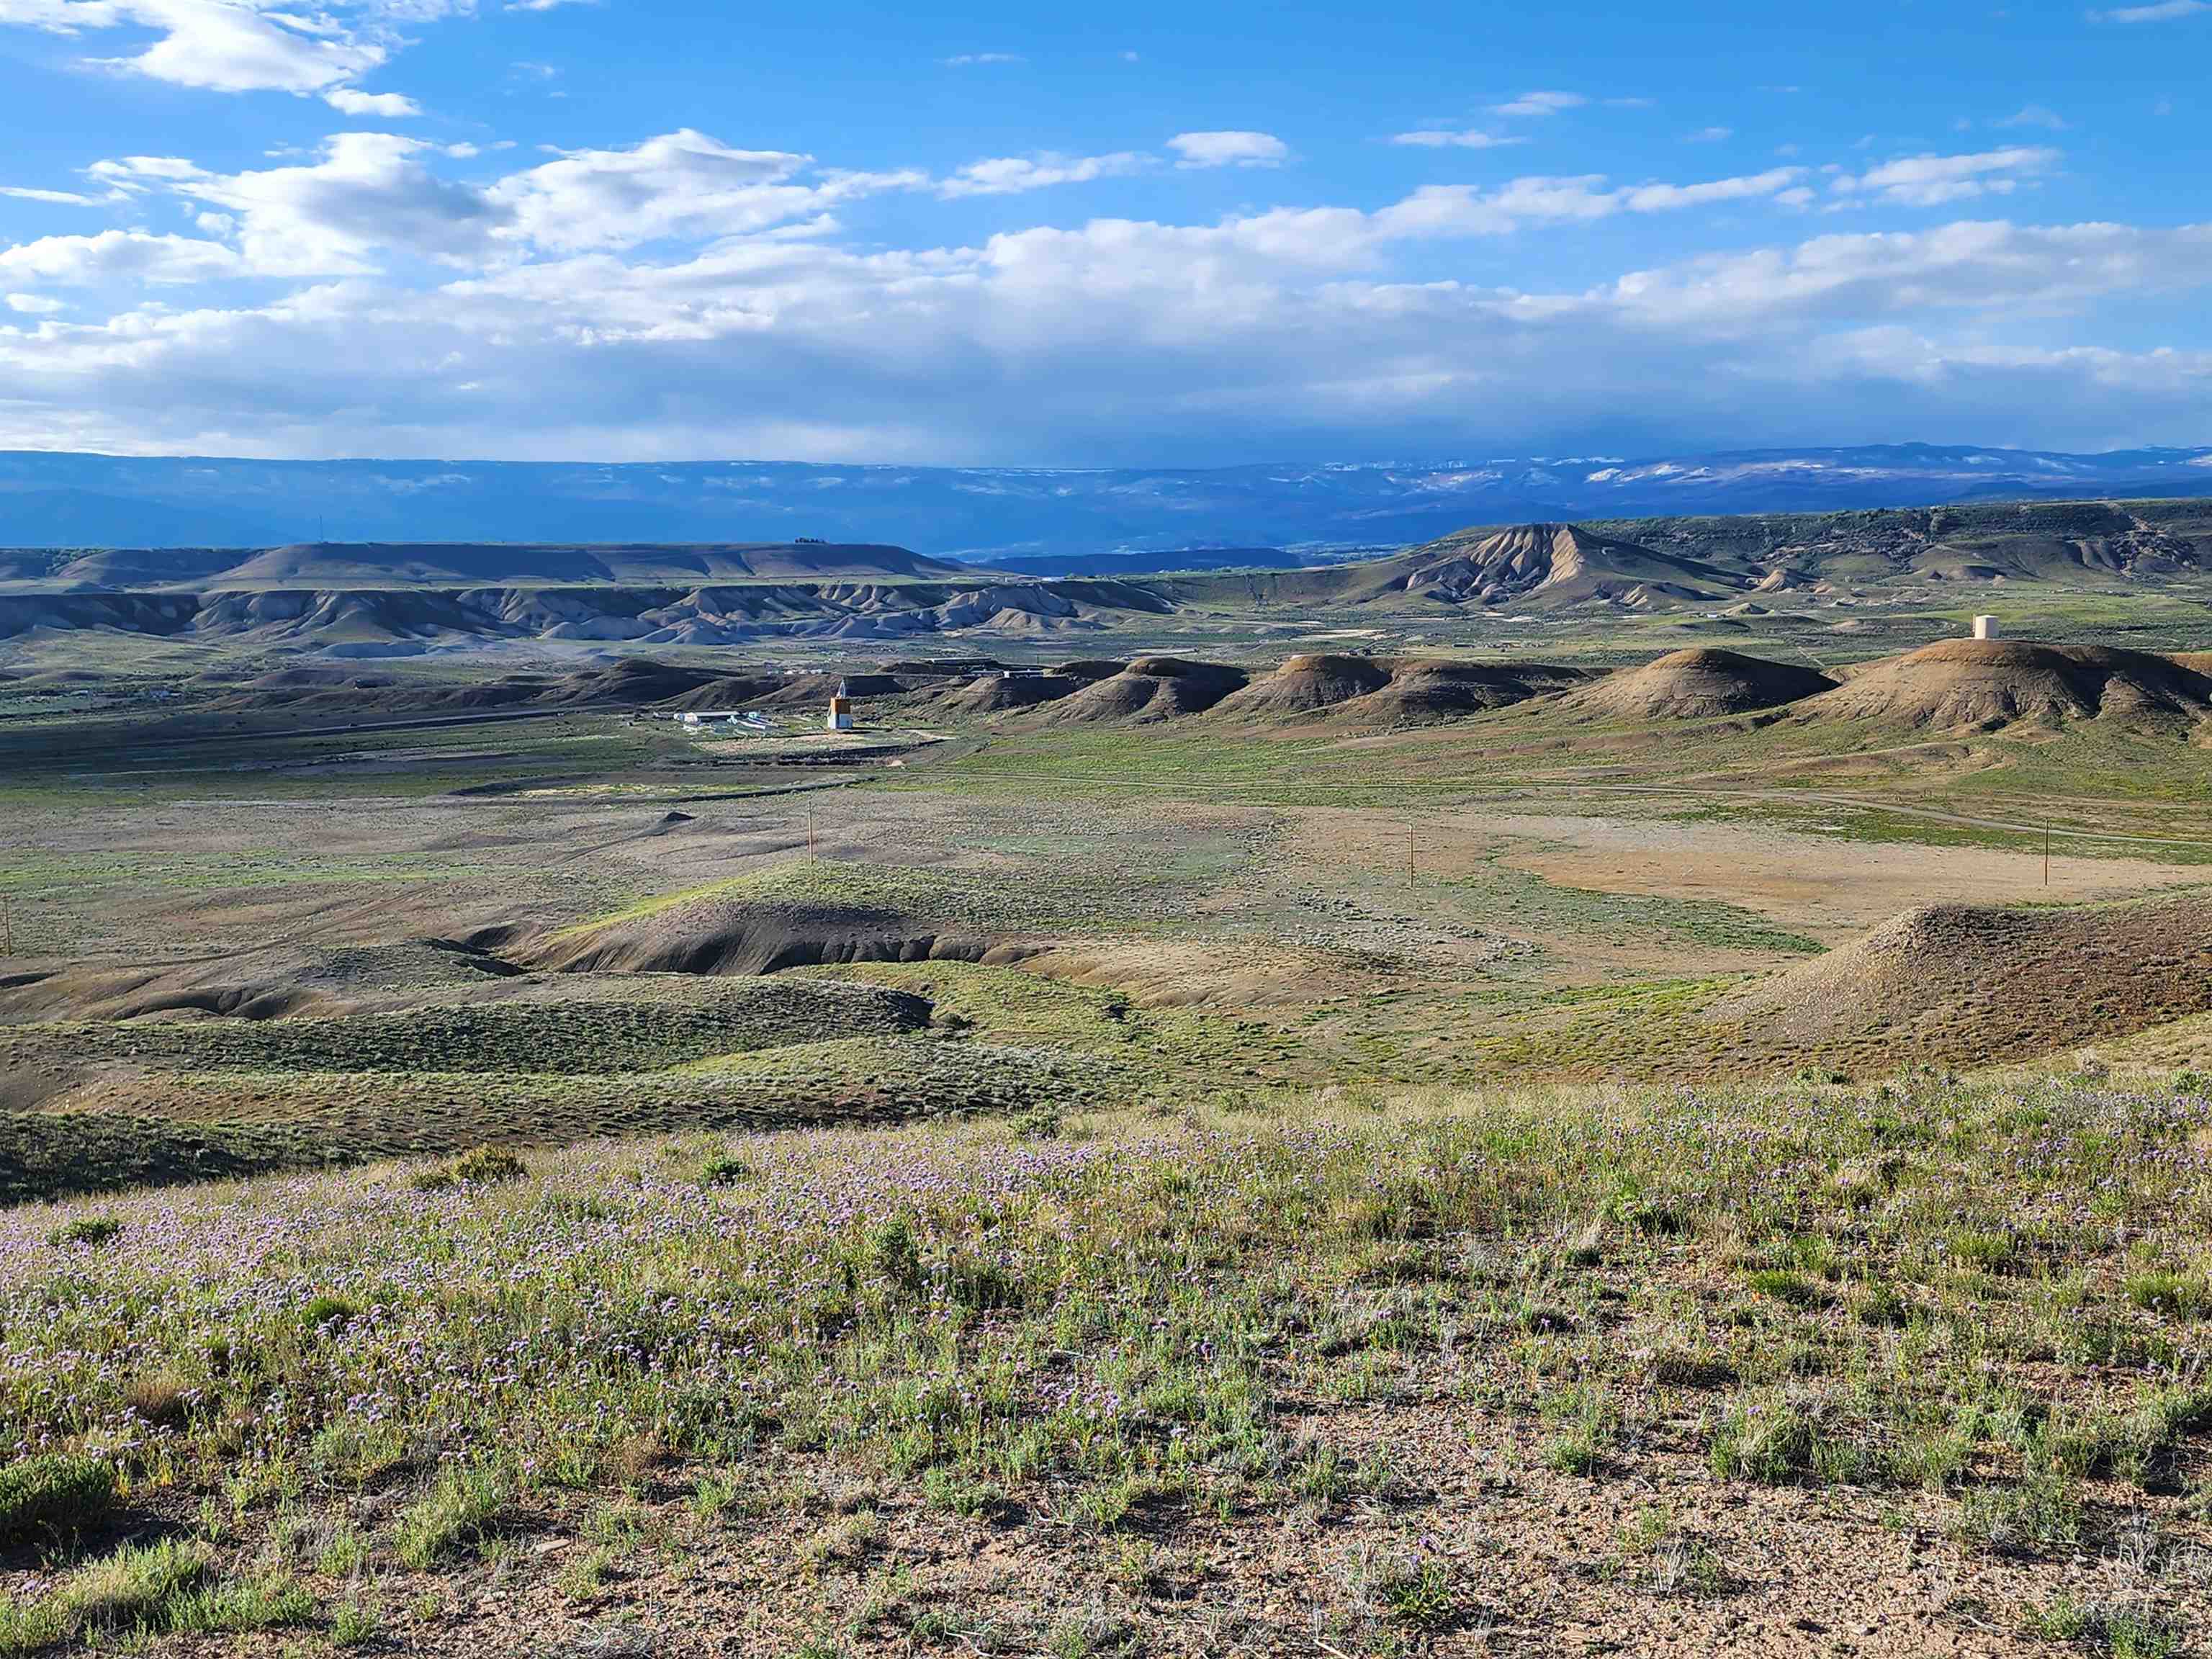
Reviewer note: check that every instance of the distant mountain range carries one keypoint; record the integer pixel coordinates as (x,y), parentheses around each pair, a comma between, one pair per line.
(1053,520)
(379,601)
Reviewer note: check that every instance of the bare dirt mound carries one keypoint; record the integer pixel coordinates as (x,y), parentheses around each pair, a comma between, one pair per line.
(1150,689)
(1424,689)
(1985,684)
(730,934)
(1303,685)
(1972,984)
(1697,684)
(997,694)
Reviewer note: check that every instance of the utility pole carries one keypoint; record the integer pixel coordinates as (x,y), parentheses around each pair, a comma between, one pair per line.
(1409,855)
(7,924)
(2047,855)
(810,832)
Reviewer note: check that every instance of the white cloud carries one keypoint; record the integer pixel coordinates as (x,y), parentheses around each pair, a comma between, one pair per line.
(51,198)
(365,191)
(2035,115)
(1009,175)
(116,256)
(972,60)
(685,295)
(242,45)
(1932,180)
(387,106)
(1709,135)
(1540,103)
(1228,149)
(1659,198)
(1473,139)
(2164,11)
(682,183)
(1259,334)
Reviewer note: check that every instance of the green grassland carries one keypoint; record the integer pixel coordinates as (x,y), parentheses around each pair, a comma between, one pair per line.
(815,1386)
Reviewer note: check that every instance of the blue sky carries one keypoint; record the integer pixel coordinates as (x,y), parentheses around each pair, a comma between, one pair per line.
(1138,234)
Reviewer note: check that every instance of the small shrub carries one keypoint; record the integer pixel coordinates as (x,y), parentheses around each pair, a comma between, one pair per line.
(479,1166)
(895,1255)
(329,1313)
(86,1229)
(53,1496)
(357,1623)
(1423,1594)
(485,1166)
(1882,1306)
(945,1488)
(1784,1286)
(724,1169)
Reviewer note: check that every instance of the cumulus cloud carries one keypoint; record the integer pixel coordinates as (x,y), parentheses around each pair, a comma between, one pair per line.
(387,106)
(1228,149)
(35,305)
(1932,180)
(365,193)
(116,256)
(681,183)
(240,45)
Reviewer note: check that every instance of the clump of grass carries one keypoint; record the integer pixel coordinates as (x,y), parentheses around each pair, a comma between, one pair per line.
(1588,1423)
(2124,1630)
(460,1513)
(2176,1295)
(85,1231)
(2038,1513)
(141,1585)
(239,1605)
(1778,1440)
(54,1496)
